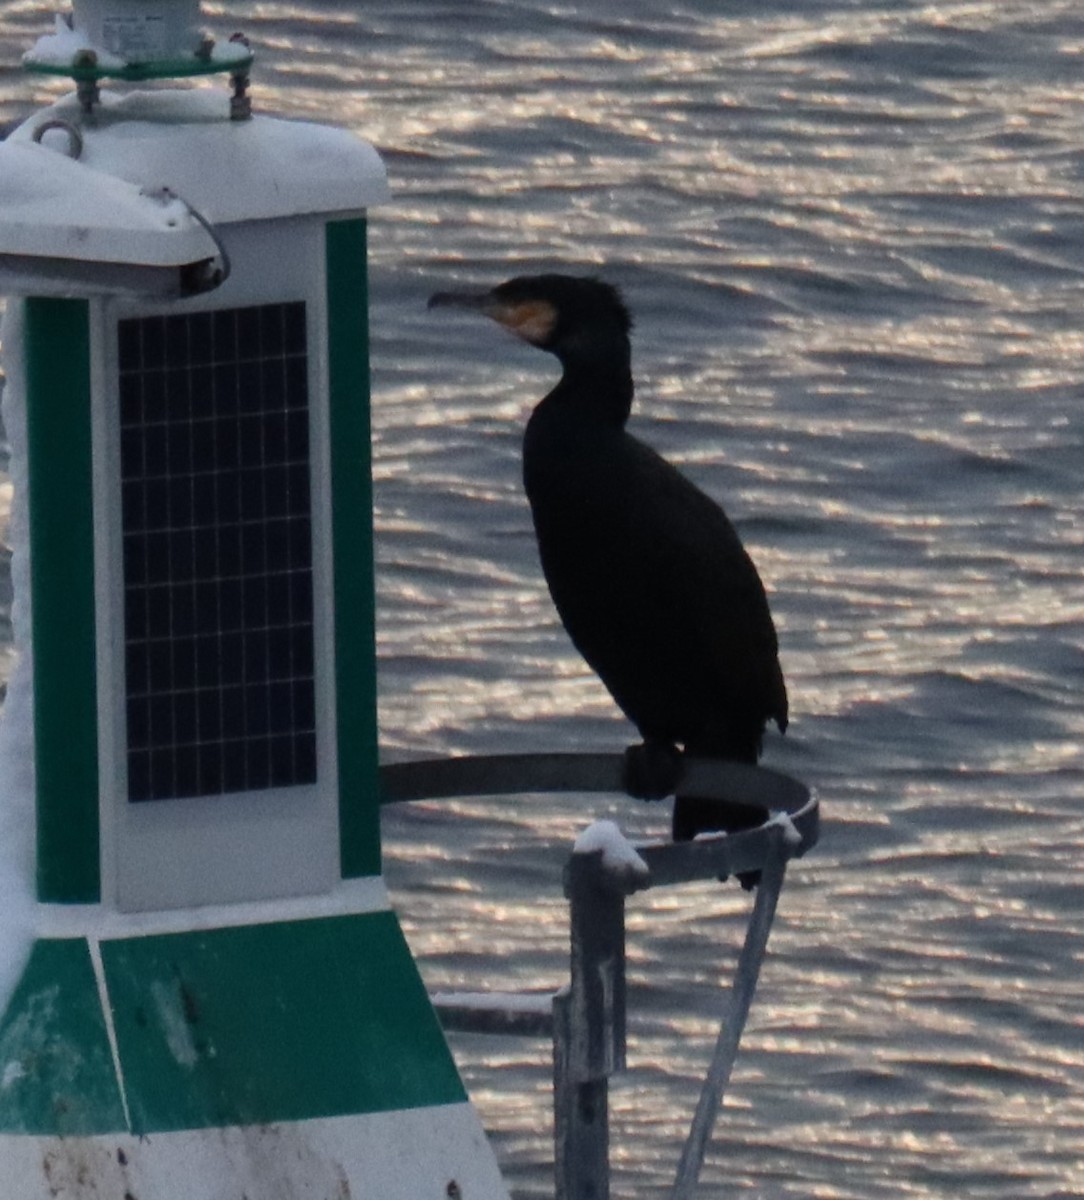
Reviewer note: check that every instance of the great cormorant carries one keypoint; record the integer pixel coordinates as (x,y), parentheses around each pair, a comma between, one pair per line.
(648,575)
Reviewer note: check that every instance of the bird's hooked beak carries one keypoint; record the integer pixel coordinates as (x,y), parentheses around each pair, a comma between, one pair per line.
(533,320)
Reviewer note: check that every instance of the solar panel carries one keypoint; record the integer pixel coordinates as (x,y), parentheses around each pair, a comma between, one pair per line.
(216,518)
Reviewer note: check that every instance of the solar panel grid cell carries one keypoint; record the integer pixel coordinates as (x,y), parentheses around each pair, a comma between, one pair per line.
(216,516)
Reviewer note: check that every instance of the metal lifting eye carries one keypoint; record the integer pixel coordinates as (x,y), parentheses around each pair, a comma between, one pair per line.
(75,138)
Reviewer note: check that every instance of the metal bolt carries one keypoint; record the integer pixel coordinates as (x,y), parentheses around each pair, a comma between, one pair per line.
(86,87)
(240,100)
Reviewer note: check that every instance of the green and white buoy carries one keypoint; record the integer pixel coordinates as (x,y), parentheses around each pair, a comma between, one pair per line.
(218,1003)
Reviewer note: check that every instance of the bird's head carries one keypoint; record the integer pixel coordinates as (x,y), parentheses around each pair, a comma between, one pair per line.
(577,319)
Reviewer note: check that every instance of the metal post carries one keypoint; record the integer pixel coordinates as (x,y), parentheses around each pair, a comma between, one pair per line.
(589,1030)
(581,1125)
(734,1016)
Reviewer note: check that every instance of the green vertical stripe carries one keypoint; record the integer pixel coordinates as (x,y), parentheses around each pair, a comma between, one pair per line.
(58,404)
(352,546)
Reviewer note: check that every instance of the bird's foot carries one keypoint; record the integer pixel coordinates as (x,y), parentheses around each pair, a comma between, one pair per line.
(693,816)
(652,770)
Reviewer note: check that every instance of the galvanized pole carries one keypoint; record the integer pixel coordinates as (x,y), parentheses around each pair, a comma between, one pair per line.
(589,1030)
(734,1016)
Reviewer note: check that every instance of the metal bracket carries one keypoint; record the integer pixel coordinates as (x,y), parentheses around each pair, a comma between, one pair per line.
(589,1016)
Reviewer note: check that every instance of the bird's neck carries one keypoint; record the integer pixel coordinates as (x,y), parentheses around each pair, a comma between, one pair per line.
(601,383)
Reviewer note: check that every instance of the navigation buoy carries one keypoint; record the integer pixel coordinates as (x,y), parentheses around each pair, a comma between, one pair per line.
(218,1001)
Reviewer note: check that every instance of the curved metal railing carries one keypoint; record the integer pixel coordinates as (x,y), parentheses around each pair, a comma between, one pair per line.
(588,1017)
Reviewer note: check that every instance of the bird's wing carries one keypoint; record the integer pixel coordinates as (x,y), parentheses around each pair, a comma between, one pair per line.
(697,566)
(658,594)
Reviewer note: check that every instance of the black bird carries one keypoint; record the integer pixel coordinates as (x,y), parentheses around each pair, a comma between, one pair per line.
(648,575)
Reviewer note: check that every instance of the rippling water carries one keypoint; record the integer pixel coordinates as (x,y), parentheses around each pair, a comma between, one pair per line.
(853,238)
